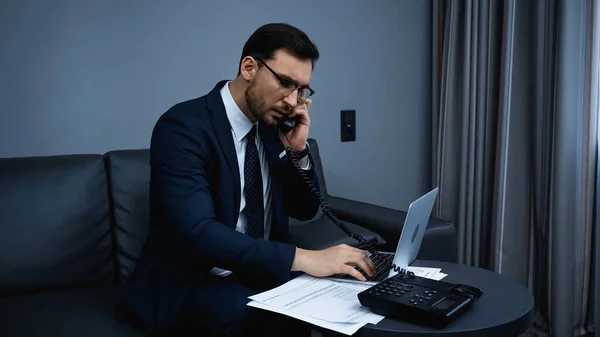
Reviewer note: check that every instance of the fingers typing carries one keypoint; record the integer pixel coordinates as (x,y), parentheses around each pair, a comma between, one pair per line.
(354,273)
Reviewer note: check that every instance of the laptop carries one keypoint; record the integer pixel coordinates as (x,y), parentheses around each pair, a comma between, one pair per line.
(409,243)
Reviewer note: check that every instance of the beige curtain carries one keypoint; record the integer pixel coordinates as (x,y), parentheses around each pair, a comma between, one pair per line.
(515,115)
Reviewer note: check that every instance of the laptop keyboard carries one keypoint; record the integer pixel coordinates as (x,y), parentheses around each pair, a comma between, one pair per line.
(383,264)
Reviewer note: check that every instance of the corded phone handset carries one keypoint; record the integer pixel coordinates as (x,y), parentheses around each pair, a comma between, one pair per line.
(287,124)
(403,296)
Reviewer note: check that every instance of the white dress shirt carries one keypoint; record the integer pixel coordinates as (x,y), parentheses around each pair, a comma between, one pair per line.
(240,126)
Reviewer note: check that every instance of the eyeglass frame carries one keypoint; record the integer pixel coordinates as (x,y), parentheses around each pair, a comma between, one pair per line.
(284,80)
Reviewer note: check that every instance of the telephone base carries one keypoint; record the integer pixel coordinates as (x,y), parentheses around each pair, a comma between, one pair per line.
(419,300)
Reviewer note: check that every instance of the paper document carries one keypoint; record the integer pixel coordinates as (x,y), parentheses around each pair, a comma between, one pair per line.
(319,301)
(431,273)
(316,297)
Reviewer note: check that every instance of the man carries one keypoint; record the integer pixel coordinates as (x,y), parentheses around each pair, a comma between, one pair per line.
(221,190)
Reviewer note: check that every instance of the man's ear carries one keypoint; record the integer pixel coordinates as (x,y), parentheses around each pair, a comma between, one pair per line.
(248,68)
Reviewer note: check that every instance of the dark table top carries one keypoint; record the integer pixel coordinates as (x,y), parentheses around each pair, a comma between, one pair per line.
(505,308)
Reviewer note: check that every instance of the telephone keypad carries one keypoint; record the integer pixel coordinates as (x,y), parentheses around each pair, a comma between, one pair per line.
(410,294)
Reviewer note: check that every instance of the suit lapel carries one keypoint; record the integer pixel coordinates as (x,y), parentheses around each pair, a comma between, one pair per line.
(273,147)
(223,131)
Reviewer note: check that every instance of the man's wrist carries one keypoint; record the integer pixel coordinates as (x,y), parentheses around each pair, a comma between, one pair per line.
(304,152)
(300,260)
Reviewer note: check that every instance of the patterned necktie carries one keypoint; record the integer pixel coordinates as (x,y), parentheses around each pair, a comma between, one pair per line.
(253,188)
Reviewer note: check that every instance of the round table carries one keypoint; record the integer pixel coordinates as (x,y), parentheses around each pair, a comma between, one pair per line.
(505,308)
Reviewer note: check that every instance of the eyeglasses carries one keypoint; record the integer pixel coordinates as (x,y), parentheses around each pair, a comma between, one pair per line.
(287,86)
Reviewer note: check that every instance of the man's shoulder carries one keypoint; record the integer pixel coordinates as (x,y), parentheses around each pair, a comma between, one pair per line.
(191,115)
(189,110)
(196,109)
(193,121)
(187,122)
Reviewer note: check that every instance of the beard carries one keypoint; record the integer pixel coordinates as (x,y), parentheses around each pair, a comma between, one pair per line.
(259,108)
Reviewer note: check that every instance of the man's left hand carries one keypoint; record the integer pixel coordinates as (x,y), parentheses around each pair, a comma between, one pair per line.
(296,139)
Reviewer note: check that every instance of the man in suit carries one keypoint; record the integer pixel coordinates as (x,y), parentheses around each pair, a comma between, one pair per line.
(222,188)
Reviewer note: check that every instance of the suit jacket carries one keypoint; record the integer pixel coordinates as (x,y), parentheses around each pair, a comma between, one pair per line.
(194,204)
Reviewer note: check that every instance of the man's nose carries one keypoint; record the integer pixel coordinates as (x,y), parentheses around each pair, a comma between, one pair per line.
(292,99)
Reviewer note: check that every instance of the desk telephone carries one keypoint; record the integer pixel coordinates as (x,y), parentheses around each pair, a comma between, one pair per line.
(403,296)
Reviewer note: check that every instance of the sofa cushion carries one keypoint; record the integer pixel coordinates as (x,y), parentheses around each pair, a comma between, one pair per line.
(323,233)
(129,177)
(74,312)
(54,222)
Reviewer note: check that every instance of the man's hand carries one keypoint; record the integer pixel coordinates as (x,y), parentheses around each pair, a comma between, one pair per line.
(340,259)
(298,136)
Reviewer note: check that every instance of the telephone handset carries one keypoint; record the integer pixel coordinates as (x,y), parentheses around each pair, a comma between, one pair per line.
(286,125)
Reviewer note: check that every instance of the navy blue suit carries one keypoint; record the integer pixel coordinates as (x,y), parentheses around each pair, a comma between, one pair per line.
(194,205)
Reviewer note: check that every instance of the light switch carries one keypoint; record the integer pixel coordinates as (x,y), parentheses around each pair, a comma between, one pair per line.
(348,125)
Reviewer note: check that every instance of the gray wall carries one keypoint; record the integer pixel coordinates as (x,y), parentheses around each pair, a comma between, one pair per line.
(81,77)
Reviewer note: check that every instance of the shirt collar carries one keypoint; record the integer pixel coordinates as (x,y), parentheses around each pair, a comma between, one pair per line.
(240,124)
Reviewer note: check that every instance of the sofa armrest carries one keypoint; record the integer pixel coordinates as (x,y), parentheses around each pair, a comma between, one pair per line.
(322,233)
(440,242)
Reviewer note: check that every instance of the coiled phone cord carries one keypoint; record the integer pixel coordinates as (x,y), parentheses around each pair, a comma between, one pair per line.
(323,204)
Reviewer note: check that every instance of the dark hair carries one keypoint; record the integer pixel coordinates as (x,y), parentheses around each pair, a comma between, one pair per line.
(267,39)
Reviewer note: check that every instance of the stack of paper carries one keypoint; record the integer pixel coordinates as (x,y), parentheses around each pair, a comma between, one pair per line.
(432,273)
(320,301)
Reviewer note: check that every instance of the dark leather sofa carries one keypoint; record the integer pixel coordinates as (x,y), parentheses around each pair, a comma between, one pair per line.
(72,226)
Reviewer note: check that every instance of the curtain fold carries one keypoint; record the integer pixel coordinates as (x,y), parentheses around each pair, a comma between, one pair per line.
(515,134)
(593,320)
(592,101)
